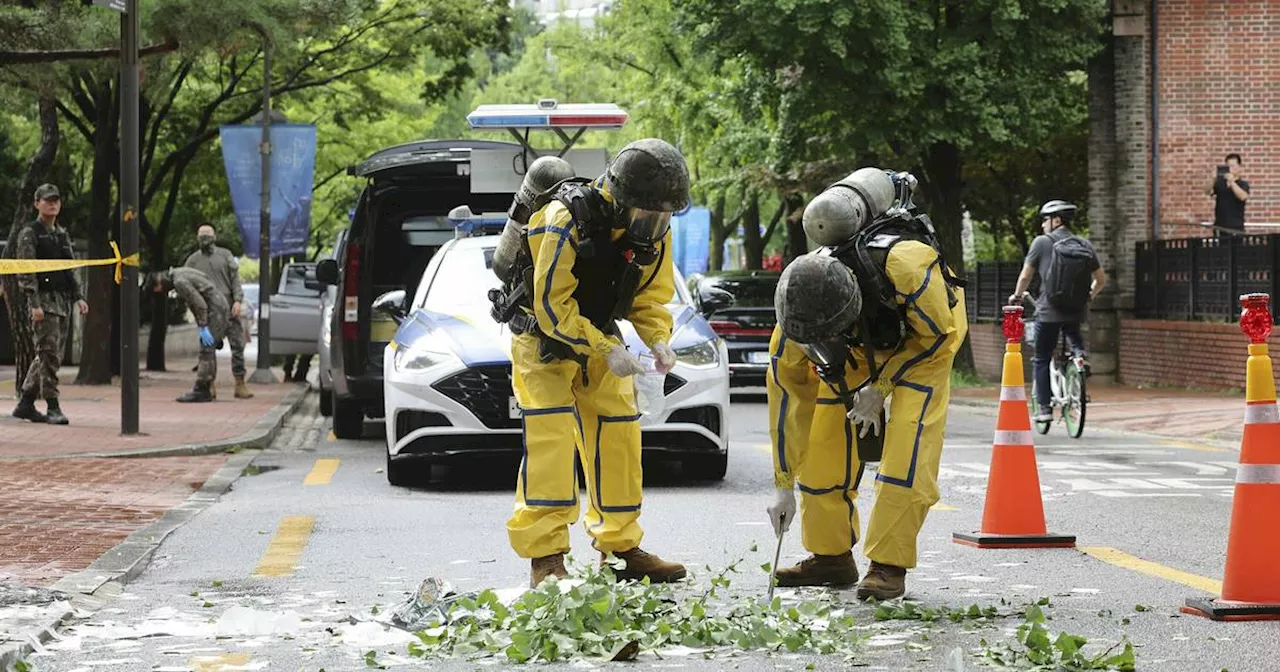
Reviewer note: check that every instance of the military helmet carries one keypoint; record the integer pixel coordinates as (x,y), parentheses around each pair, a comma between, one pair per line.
(649,174)
(836,214)
(817,299)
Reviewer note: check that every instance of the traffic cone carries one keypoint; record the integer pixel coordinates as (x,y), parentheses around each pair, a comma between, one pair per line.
(1013,516)
(1251,585)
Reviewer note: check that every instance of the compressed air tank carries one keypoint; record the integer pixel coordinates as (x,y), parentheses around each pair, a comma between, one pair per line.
(542,175)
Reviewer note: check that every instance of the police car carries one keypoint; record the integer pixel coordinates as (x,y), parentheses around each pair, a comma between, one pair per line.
(447,371)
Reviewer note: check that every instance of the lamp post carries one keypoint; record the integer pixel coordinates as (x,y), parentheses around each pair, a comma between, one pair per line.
(129,212)
(262,374)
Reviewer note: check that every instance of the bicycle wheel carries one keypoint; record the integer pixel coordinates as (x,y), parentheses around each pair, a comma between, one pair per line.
(1073,410)
(1042,427)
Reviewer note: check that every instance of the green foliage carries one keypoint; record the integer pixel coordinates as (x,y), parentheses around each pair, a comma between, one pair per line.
(599,617)
(1036,648)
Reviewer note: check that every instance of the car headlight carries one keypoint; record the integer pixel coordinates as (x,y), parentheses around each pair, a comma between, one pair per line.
(430,351)
(704,355)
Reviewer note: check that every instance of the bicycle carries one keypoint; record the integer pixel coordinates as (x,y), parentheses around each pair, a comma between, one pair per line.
(1069,395)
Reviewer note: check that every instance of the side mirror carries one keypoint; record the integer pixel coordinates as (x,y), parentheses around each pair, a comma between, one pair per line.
(460,214)
(391,303)
(327,272)
(712,300)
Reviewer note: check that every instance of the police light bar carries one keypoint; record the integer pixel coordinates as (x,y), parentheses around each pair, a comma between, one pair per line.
(467,224)
(548,113)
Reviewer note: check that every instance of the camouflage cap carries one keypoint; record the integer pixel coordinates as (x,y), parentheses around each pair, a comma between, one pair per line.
(47,190)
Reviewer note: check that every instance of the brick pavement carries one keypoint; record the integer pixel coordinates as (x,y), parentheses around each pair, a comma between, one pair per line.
(95,417)
(1176,413)
(57,516)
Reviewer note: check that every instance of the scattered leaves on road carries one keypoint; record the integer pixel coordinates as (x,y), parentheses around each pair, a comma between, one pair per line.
(1037,649)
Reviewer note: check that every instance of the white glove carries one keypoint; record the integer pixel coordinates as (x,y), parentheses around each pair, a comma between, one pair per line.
(622,363)
(868,404)
(665,356)
(783,510)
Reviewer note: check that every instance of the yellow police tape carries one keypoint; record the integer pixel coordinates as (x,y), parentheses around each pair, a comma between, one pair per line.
(20,266)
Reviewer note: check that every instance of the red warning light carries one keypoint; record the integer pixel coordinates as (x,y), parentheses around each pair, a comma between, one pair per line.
(1255,318)
(1013,327)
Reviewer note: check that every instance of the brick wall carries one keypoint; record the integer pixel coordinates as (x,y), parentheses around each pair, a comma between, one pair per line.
(1191,354)
(988,351)
(1219,92)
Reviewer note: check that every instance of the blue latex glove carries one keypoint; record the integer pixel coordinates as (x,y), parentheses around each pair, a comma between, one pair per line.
(206,337)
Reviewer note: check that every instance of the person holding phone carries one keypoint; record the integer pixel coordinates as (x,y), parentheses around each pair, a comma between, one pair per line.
(1230,190)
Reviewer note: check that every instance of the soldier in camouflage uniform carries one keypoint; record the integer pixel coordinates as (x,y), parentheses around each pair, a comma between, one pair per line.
(51,298)
(221,267)
(212,317)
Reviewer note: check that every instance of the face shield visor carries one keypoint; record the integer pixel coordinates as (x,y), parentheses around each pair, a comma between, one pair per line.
(647,226)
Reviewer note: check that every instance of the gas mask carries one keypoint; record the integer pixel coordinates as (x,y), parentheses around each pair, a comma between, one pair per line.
(646,227)
(828,356)
(206,242)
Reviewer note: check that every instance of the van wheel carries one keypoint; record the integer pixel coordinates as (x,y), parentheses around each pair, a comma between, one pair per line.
(348,420)
(706,467)
(326,402)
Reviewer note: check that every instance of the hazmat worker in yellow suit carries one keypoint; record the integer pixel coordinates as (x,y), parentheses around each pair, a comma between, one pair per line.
(596,253)
(874,314)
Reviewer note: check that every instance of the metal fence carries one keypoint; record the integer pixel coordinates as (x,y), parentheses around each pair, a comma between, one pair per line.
(1203,278)
(990,285)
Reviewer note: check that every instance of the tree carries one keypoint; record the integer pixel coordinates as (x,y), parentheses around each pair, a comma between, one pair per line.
(211,81)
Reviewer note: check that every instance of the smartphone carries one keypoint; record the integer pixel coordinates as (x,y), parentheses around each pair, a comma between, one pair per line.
(1223,170)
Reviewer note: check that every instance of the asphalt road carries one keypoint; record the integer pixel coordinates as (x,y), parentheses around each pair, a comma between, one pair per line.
(360,543)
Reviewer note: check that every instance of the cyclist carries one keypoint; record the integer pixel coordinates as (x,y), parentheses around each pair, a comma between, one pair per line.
(1070,277)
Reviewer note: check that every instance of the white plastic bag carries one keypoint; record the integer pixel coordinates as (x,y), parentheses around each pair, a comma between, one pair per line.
(651,399)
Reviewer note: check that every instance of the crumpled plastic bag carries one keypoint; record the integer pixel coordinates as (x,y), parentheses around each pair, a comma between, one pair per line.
(428,607)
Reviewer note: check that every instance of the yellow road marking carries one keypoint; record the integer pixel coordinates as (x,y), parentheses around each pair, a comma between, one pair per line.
(1195,446)
(1121,559)
(218,663)
(942,507)
(286,546)
(332,436)
(322,472)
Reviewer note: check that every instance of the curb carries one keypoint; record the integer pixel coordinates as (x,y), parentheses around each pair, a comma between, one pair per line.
(258,438)
(89,589)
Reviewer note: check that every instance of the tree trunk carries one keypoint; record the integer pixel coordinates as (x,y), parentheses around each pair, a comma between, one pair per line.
(797,242)
(752,243)
(37,171)
(96,356)
(944,191)
(159,311)
(718,235)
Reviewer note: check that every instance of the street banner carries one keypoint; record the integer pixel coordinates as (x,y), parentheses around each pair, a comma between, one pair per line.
(691,240)
(293,163)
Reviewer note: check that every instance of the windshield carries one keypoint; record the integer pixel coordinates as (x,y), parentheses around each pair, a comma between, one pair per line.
(251,293)
(747,292)
(461,285)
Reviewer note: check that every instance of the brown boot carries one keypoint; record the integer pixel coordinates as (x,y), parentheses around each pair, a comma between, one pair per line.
(242,390)
(883,582)
(641,564)
(551,565)
(821,570)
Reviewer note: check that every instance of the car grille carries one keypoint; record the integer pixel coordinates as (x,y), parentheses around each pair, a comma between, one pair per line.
(672,383)
(407,421)
(485,391)
(707,416)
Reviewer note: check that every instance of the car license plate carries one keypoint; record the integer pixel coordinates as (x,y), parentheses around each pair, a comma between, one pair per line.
(758,357)
(513,408)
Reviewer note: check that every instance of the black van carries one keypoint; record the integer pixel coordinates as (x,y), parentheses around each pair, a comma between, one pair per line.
(399,224)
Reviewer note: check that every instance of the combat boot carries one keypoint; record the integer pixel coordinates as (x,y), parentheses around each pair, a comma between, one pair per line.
(883,582)
(242,390)
(551,565)
(821,570)
(198,394)
(640,564)
(26,409)
(55,414)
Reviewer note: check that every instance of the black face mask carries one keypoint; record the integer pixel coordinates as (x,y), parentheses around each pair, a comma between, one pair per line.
(206,242)
(829,356)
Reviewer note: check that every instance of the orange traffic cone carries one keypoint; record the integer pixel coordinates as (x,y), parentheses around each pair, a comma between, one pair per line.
(1251,586)
(1014,513)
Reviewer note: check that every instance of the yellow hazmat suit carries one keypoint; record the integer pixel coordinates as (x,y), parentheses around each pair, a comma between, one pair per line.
(570,411)
(814,445)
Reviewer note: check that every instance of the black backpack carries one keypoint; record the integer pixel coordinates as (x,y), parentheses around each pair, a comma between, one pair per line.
(1069,279)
